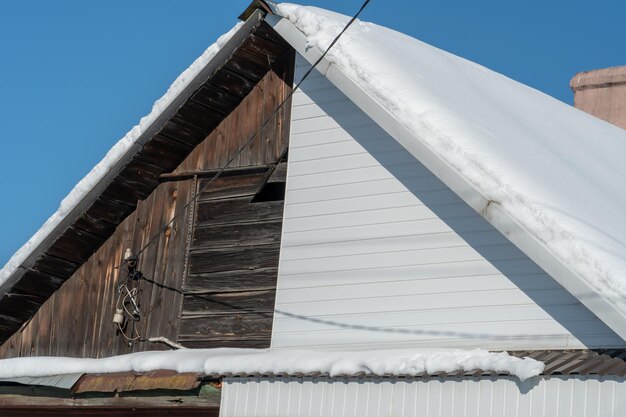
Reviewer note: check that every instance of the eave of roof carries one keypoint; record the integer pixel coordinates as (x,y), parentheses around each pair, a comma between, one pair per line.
(491,211)
(603,362)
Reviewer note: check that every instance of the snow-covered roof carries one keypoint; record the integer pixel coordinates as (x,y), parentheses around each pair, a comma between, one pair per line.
(547,175)
(231,361)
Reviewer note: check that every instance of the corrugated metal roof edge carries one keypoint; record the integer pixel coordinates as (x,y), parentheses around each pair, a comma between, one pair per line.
(596,362)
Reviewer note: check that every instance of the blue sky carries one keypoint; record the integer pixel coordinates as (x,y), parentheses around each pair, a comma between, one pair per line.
(75,76)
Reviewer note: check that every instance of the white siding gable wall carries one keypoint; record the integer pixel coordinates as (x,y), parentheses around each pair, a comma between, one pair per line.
(377,252)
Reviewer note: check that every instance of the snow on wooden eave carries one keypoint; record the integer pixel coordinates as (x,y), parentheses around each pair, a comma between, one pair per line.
(515,231)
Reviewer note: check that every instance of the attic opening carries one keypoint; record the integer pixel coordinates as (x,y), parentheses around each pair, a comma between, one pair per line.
(271,191)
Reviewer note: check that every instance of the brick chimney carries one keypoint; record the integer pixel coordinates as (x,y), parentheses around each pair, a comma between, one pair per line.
(602,93)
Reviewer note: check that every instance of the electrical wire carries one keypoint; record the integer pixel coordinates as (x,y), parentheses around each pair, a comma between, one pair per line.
(126,297)
(254,135)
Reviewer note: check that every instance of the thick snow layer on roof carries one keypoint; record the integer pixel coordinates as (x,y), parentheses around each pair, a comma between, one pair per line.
(559,172)
(114,155)
(225,361)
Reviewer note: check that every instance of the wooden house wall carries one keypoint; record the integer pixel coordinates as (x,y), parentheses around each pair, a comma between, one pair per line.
(378,252)
(77,319)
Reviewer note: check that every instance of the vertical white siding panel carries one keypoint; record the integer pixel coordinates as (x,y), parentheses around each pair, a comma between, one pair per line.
(448,397)
(606,404)
(421,392)
(377,252)
(351,399)
(472,403)
(496,397)
(361,406)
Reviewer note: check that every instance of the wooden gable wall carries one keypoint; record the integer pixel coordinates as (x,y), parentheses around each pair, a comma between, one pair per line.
(77,319)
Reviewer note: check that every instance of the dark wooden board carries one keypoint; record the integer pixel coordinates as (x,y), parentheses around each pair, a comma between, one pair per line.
(166,151)
(250,68)
(232,82)
(229,302)
(216,98)
(107,212)
(264,46)
(122,192)
(35,282)
(201,116)
(60,267)
(228,259)
(243,325)
(244,234)
(229,187)
(279,174)
(238,342)
(179,129)
(65,247)
(257,279)
(237,211)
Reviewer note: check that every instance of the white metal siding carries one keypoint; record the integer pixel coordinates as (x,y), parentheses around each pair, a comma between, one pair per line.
(477,397)
(377,252)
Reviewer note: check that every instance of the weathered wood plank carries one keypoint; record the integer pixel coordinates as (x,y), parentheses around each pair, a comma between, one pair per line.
(75,245)
(165,254)
(234,341)
(233,83)
(90,293)
(122,192)
(230,302)
(107,212)
(210,173)
(253,69)
(37,283)
(176,265)
(230,187)
(216,98)
(271,97)
(247,234)
(177,128)
(166,151)
(52,265)
(95,225)
(237,211)
(242,325)
(74,331)
(265,47)
(200,115)
(257,279)
(237,258)
(279,174)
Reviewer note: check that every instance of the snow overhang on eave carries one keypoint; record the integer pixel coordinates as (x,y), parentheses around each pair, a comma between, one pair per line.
(493,213)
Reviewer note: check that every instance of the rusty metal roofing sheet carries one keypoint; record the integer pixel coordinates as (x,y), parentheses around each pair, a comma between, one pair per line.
(129,381)
(579,362)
